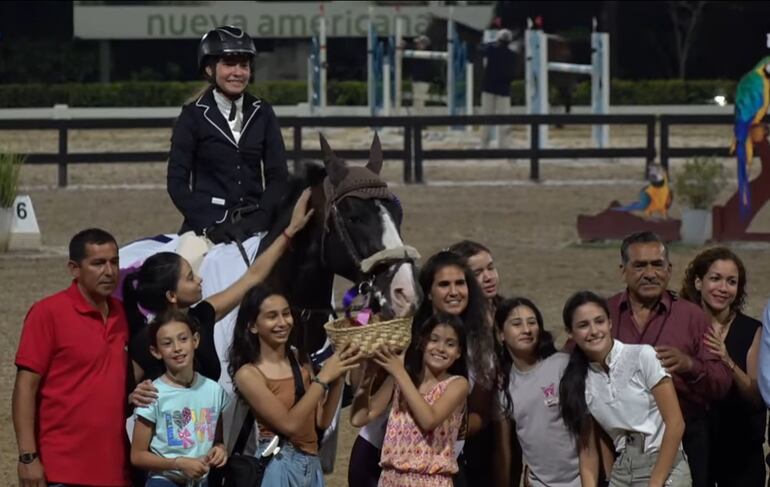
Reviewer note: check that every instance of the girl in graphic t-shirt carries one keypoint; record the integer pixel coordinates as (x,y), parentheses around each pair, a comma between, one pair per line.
(624,391)
(528,393)
(178,439)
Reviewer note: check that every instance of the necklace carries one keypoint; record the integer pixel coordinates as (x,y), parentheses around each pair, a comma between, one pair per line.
(724,328)
(186,385)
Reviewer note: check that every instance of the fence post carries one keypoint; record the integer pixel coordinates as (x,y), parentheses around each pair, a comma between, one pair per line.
(297,148)
(664,142)
(418,154)
(407,154)
(650,146)
(534,146)
(62,157)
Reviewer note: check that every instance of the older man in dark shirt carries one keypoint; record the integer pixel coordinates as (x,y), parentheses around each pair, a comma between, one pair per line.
(646,312)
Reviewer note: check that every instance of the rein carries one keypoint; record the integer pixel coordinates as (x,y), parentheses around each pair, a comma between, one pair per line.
(364,265)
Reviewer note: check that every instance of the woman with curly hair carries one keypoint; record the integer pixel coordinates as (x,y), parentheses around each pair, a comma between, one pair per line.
(716,280)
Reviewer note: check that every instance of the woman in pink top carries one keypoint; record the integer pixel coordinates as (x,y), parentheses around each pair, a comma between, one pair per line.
(428,397)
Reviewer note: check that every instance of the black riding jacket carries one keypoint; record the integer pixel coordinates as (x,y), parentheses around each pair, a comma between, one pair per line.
(209,173)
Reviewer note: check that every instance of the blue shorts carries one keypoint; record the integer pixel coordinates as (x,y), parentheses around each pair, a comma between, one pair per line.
(292,467)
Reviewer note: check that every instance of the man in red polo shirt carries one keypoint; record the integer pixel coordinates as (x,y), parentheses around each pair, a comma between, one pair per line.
(646,312)
(69,396)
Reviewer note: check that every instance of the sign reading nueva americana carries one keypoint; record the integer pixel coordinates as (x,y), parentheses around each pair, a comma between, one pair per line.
(260,19)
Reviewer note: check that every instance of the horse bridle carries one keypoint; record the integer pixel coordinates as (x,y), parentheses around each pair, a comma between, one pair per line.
(364,265)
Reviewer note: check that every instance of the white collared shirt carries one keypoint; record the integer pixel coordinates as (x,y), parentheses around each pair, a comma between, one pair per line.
(622,401)
(225,104)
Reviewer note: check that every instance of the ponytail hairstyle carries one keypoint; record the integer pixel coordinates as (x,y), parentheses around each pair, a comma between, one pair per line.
(147,287)
(572,388)
(544,347)
(413,356)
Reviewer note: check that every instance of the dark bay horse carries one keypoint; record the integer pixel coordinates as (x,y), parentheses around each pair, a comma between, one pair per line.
(354,233)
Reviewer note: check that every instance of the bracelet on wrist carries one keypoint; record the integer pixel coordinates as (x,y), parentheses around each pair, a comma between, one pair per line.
(323,384)
(288,238)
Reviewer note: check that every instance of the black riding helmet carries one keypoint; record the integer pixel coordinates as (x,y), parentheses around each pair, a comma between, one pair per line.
(224,41)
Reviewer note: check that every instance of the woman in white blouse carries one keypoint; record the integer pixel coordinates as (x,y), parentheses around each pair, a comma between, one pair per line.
(623,391)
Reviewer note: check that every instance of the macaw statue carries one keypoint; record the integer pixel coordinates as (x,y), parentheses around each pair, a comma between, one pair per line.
(655,197)
(751,101)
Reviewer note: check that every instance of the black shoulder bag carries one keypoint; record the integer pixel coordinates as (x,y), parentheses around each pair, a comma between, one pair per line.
(245,470)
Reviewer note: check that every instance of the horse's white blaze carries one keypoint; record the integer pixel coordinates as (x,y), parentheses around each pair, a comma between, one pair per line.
(403,288)
(390,237)
(403,291)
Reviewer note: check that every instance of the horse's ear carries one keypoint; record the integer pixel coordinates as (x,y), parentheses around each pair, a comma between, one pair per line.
(375,155)
(335,168)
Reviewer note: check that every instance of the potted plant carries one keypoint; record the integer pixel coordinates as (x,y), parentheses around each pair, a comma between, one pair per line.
(10,168)
(697,187)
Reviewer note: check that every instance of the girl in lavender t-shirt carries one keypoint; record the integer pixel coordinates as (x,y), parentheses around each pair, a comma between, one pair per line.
(529,398)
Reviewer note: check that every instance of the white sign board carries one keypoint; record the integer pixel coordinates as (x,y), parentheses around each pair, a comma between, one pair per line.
(24,220)
(261,19)
(25,233)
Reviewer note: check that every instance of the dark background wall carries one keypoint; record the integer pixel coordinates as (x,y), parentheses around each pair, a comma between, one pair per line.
(36,43)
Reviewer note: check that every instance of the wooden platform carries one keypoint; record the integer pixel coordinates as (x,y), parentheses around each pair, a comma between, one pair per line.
(616,225)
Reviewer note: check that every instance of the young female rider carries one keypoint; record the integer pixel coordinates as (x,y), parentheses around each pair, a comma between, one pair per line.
(227,153)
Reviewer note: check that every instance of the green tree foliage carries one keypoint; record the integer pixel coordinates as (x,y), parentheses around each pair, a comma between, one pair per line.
(699,182)
(10,168)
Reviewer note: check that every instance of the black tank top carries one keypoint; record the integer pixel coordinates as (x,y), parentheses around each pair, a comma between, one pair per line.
(735,420)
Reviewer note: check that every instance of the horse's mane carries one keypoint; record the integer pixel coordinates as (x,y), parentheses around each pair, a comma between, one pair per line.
(311,175)
(314,173)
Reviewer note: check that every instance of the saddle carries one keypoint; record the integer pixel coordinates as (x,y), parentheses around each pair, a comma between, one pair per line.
(240,223)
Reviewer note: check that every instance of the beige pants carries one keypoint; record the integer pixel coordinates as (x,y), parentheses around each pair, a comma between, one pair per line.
(633,467)
(419,94)
(495,105)
(193,248)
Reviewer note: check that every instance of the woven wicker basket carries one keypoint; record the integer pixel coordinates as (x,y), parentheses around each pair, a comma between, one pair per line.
(394,333)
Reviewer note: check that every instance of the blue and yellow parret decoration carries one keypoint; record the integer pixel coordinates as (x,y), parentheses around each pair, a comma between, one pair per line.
(751,102)
(655,197)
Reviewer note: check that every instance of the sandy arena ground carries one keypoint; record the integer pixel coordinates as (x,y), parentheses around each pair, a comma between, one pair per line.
(529,226)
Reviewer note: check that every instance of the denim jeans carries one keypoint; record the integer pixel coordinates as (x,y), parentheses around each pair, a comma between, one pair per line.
(292,467)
